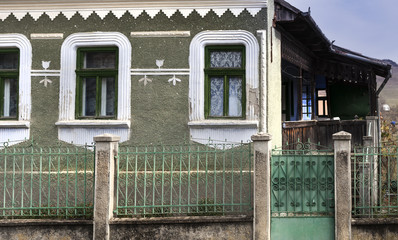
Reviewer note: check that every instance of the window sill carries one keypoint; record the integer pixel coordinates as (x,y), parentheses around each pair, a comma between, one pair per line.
(14,124)
(93,124)
(223,124)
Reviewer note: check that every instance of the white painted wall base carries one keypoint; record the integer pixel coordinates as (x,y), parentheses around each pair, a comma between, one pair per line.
(225,134)
(83,135)
(11,136)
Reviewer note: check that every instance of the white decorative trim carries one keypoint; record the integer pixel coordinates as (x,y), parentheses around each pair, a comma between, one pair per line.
(68,75)
(263,80)
(46,36)
(196,62)
(161,34)
(14,124)
(135,12)
(9,133)
(67,90)
(43,73)
(222,134)
(94,123)
(25,63)
(223,123)
(80,135)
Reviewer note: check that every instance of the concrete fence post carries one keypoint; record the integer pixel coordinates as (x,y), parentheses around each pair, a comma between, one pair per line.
(262,187)
(342,188)
(106,147)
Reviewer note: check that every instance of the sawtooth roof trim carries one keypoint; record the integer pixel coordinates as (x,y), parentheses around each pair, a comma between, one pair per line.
(53,8)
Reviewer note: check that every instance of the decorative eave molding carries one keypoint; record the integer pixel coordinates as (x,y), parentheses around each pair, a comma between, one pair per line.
(118,12)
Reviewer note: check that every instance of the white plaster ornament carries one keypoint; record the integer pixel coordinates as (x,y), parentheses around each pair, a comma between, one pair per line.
(174,80)
(145,80)
(159,63)
(45,65)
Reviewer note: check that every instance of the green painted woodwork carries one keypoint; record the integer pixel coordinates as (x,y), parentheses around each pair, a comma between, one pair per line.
(8,73)
(224,73)
(302,228)
(82,73)
(302,183)
(346,102)
(302,192)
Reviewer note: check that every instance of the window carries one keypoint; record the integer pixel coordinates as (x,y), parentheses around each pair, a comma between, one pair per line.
(9,71)
(225,82)
(235,114)
(106,105)
(306,102)
(322,103)
(96,74)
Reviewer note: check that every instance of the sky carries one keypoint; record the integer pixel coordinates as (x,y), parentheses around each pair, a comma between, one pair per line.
(369,27)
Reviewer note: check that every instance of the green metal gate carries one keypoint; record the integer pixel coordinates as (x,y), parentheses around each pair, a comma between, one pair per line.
(302,194)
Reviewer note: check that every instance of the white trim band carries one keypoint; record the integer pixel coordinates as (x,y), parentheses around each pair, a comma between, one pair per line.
(161,34)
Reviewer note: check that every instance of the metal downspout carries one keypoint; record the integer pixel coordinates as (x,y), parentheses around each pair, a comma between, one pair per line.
(378,108)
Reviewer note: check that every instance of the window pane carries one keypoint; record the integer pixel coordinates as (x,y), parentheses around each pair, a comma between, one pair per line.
(321,93)
(226,59)
(99,60)
(108,96)
(89,96)
(235,97)
(326,107)
(320,108)
(216,96)
(10,97)
(9,61)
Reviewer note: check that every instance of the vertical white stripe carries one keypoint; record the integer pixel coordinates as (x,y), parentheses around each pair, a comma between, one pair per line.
(7,88)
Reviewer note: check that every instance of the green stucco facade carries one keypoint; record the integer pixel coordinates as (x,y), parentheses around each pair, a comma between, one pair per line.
(159,110)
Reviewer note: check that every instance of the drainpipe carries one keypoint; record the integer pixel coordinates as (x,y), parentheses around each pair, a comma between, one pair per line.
(378,108)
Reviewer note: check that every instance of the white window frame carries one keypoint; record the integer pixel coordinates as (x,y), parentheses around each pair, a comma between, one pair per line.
(16,131)
(78,131)
(219,128)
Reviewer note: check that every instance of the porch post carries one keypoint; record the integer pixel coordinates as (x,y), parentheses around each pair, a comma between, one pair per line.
(372,158)
(262,187)
(342,186)
(372,129)
(106,147)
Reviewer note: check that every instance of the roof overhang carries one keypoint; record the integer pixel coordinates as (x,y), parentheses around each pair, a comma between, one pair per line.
(302,27)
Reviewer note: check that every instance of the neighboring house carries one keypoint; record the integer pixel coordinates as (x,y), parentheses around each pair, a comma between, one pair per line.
(171,71)
(325,88)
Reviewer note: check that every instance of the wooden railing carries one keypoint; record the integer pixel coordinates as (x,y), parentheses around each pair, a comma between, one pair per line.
(321,131)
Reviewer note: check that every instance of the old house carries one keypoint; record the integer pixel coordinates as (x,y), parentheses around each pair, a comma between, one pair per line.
(148,71)
(171,72)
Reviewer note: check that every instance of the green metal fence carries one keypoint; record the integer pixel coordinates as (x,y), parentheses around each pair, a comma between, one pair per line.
(375,177)
(51,182)
(302,181)
(184,180)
